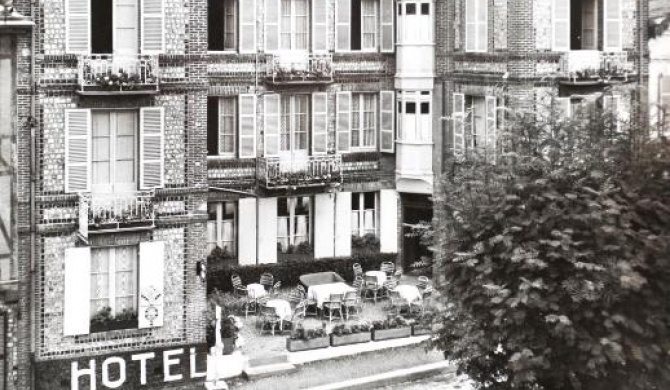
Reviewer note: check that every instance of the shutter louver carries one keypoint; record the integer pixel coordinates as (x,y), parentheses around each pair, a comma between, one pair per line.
(151,289)
(386,121)
(272,33)
(387,29)
(248,26)
(612,26)
(77,150)
(246,253)
(319,25)
(247,126)
(152,26)
(458,119)
(77,285)
(343,127)
(343,25)
(561,25)
(151,147)
(319,123)
(78,26)
(272,123)
(491,123)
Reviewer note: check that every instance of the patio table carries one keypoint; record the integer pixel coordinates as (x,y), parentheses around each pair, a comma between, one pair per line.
(321,292)
(282,309)
(379,275)
(256,290)
(409,292)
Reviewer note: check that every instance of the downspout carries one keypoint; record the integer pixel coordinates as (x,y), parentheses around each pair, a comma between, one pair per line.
(33,174)
(641,33)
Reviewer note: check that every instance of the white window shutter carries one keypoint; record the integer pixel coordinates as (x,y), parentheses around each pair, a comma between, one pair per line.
(272,124)
(343,127)
(471,25)
(272,32)
(247,122)
(561,25)
(267,230)
(151,147)
(387,15)
(319,26)
(151,289)
(77,304)
(319,123)
(248,26)
(152,27)
(78,26)
(386,121)
(564,108)
(388,221)
(482,25)
(246,253)
(343,25)
(77,150)
(458,120)
(491,122)
(343,224)
(324,223)
(612,26)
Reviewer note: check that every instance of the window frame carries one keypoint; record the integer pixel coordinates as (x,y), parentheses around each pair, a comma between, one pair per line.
(293,33)
(664,109)
(292,218)
(288,122)
(236,29)
(219,123)
(219,226)
(358,230)
(357,110)
(113,137)
(477,24)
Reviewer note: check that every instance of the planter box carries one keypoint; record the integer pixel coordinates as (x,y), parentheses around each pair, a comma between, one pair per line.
(421,331)
(346,339)
(306,345)
(228,345)
(385,334)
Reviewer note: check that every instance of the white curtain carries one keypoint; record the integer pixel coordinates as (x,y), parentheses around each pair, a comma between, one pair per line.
(301,222)
(211,235)
(369,22)
(228,235)
(282,233)
(99,280)
(125,278)
(369,221)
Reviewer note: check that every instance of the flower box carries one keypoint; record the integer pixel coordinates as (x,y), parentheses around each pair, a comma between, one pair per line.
(386,334)
(228,346)
(352,338)
(421,330)
(306,345)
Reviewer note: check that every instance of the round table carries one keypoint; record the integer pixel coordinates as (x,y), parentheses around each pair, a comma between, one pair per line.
(409,292)
(256,290)
(379,275)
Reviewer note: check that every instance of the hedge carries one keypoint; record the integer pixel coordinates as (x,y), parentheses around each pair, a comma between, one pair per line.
(289,273)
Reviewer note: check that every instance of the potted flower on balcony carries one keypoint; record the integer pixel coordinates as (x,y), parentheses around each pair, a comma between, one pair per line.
(345,334)
(302,339)
(104,321)
(391,328)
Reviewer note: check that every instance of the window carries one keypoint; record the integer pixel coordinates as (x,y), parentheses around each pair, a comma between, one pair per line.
(293,220)
(476,116)
(425,9)
(294,132)
(364,120)
(221,126)
(664,102)
(295,24)
(116,25)
(364,25)
(364,213)
(114,155)
(7,263)
(114,280)
(413,125)
(476,28)
(222,25)
(221,227)
(582,25)
(474,122)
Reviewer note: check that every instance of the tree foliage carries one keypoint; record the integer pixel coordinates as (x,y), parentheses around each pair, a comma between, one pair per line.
(556,259)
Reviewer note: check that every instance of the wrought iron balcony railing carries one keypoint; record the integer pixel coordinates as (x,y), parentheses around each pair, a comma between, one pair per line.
(312,171)
(292,67)
(594,65)
(118,73)
(121,211)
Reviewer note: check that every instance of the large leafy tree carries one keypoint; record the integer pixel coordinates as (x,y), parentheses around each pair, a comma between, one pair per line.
(555,260)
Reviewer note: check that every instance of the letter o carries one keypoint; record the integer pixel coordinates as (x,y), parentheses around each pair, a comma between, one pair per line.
(122,372)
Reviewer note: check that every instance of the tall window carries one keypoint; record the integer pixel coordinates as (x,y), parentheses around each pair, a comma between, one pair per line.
(221,126)
(476,28)
(294,122)
(476,116)
(114,155)
(114,281)
(364,213)
(664,102)
(364,24)
(222,25)
(293,216)
(364,120)
(295,26)
(115,25)
(221,227)
(414,116)
(7,266)
(583,24)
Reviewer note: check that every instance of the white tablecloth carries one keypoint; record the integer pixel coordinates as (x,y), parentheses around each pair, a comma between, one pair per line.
(282,308)
(409,292)
(379,275)
(321,292)
(256,290)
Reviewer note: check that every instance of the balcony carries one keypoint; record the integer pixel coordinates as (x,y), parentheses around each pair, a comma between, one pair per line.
(592,67)
(113,74)
(312,171)
(102,213)
(299,68)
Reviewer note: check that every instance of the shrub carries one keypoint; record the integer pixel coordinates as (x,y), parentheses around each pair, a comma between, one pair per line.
(289,273)
(300,333)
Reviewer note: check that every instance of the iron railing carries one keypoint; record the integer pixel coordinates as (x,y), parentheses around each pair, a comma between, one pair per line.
(312,171)
(299,67)
(116,211)
(118,73)
(594,65)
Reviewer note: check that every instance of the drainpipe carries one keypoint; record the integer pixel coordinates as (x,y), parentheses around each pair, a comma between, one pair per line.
(33,174)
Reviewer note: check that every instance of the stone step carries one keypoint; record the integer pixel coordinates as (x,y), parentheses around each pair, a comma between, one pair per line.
(258,372)
(264,361)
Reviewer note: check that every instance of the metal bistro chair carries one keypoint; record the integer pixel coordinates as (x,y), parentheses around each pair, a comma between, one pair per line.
(389,285)
(260,304)
(295,297)
(358,270)
(274,291)
(333,304)
(427,293)
(422,283)
(352,305)
(371,287)
(298,313)
(269,317)
(358,285)
(396,302)
(238,287)
(388,268)
(267,280)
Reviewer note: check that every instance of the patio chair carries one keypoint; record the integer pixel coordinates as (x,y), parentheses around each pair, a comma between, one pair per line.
(418,305)
(352,305)
(302,291)
(295,297)
(389,285)
(269,317)
(298,313)
(396,302)
(388,268)
(358,270)
(275,288)
(422,283)
(260,304)
(371,288)
(397,275)
(427,293)
(238,287)
(332,305)
(358,285)
(267,280)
